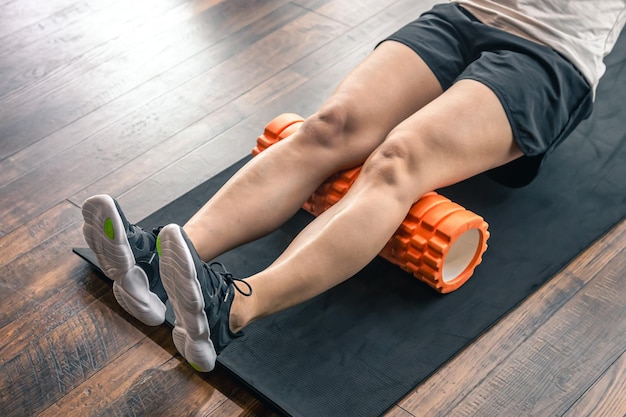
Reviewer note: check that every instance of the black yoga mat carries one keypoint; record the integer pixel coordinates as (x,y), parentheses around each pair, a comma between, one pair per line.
(359,348)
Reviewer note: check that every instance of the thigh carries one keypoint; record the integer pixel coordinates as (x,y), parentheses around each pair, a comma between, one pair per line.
(391,84)
(405,72)
(544,98)
(463,132)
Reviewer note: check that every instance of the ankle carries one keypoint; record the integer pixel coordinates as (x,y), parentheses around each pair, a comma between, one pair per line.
(238,317)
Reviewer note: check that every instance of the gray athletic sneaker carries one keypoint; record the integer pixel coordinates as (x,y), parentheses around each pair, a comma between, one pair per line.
(201,295)
(127,255)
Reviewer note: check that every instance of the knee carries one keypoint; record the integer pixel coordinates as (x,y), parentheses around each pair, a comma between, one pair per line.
(327,127)
(400,161)
(389,165)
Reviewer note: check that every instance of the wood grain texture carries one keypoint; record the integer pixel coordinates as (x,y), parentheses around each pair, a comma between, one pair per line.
(40,272)
(31,234)
(18,15)
(606,396)
(551,370)
(56,362)
(145,128)
(520,337)
(149,64)
(31,323)
(35,24)
(30,65)
(157,385)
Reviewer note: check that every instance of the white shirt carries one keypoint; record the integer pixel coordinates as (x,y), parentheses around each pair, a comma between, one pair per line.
(584,31)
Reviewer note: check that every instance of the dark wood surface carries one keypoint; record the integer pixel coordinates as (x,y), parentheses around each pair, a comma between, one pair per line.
(144,100)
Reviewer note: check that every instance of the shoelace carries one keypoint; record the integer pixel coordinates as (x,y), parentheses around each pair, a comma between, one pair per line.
(230,279)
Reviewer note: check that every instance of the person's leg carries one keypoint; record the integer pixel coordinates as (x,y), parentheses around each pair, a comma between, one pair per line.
(375,97)
(462,133)
(390,85)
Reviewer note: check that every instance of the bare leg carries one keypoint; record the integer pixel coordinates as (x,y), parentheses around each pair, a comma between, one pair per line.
(372,100)
(463,132)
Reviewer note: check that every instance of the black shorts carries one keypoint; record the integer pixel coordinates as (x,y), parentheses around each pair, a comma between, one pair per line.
(544,96)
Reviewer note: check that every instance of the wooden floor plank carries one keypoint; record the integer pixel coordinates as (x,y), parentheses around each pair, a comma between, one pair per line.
(452,384)
(12,302)
(60,15)
(250,407)
(350,13)
(44,271)
(547,373)
(112,148)
(607,397)
(187,141)
(17,15)
(52,365)
(363,36)
(126,74)
(157,385)
(38,229)
(73,83)
(26,66)
(46,316)
(29,255)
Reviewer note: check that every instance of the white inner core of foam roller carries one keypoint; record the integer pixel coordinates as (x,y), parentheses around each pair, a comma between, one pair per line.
(460,254)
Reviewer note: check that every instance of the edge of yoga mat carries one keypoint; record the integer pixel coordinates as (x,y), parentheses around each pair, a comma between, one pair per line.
(337,362)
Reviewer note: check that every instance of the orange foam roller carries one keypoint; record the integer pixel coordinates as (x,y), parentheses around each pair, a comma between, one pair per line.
(439,241)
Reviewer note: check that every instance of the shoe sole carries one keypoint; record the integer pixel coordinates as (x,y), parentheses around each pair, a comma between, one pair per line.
(105,234)
(191,332)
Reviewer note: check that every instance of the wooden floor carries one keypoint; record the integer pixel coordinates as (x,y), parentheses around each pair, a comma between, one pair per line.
(146,99)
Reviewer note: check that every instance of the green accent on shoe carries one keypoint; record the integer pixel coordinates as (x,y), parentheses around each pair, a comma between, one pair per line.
(108,228)
(158,246)
(196,367)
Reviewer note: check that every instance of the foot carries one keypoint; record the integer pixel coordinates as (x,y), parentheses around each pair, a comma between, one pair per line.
(201,296)
(127,255)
